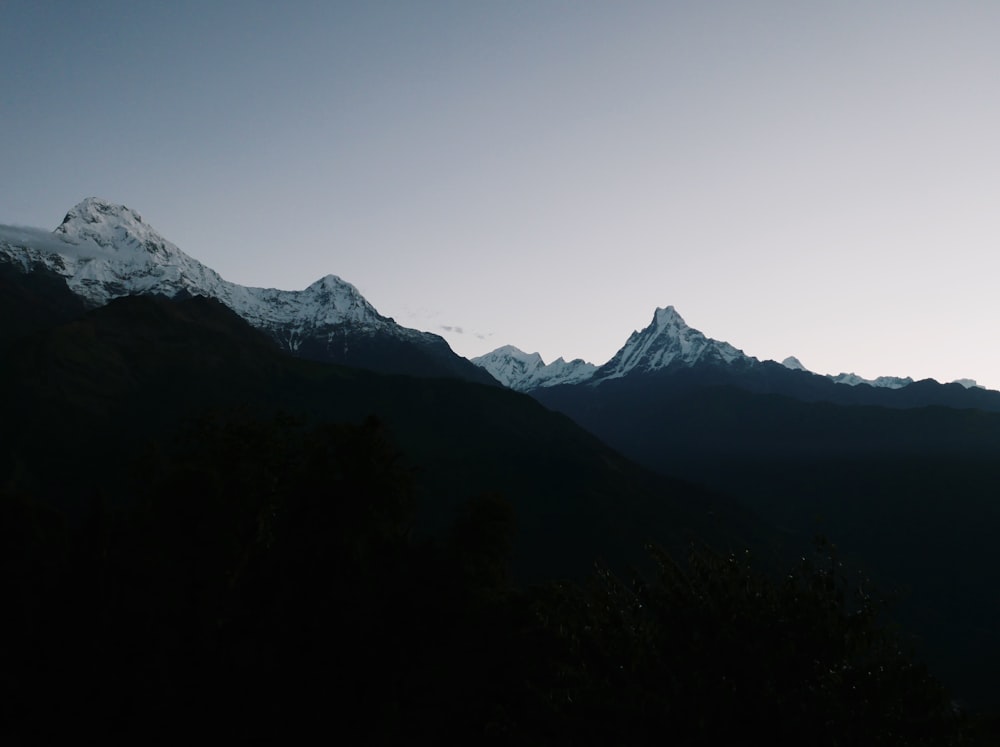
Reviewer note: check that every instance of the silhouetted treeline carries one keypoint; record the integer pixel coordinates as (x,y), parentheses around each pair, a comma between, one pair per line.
(264,583)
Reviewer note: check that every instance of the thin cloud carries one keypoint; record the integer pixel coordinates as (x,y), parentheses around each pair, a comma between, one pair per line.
(456,330)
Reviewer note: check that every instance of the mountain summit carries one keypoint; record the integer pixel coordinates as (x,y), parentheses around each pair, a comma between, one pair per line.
(108,225)
(668,342)
(113,253)
(104,251)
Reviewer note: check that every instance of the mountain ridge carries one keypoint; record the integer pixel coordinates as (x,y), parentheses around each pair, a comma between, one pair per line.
(522,371)
(667,344)
(105,250)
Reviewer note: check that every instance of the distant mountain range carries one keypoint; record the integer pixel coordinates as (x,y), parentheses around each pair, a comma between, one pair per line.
(88,393)
(106,251)
(666,344)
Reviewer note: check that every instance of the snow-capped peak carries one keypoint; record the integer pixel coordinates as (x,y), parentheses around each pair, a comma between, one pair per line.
(98,210)
(338,297)
(522,371)
(883,382)
(327,282)
(109,226)
(968,383)
(852,379)
(668,318)
(668,341)
(105,250)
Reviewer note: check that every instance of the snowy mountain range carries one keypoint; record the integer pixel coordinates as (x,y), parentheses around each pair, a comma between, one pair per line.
(105,250)
(852,379)
(666,344)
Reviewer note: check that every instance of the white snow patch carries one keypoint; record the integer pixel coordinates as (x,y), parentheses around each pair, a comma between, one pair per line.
(106,251)
(883,382)
(668,341)
(522,371)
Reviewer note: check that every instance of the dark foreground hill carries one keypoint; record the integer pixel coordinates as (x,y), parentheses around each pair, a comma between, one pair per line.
(85,399)
(911,493)
(33,301)
(200,532)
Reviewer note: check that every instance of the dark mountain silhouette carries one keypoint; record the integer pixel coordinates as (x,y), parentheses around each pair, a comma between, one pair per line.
(669,357)
(198,526)
(31,301)
(908,490)
(85,398)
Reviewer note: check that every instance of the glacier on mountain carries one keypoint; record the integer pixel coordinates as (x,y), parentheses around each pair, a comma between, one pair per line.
(852,379)
(885,382)
(523,372)
(106,251)
(668,341)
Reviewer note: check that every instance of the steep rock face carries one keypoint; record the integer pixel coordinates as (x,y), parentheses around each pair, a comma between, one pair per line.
(105,251)
(668,342)
(524,372)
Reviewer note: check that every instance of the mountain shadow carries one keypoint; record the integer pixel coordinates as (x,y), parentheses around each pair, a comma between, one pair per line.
(908,492)
(86,398)
(32,301)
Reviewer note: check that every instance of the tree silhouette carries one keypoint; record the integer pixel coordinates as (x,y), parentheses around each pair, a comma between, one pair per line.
(265,583)
(714,651)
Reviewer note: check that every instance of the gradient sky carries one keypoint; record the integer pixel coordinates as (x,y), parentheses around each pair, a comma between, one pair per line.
(818,179)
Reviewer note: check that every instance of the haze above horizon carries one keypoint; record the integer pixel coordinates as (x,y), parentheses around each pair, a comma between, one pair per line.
(817,181)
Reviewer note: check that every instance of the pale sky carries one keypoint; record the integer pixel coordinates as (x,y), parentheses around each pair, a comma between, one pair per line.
(810,178)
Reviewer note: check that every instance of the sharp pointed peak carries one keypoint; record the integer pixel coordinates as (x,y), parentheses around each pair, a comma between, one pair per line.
(668,316)
(111,226)
(329,281)
(335,291)
(668,342)
(92,210)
